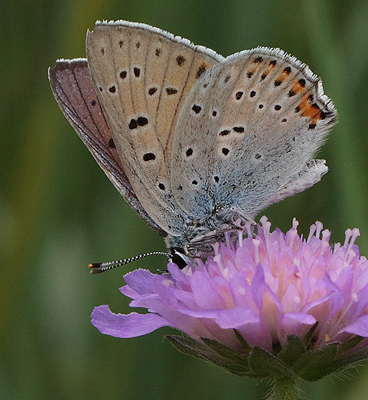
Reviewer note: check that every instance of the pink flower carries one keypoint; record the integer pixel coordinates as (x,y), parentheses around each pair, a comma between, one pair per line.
(263,292)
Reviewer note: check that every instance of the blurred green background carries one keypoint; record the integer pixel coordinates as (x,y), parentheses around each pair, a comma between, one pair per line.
(58,211)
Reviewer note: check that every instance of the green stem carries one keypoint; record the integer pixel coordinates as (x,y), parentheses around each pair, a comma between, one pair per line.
(285,389)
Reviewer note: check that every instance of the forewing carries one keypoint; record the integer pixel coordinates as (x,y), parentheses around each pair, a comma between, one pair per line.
(73,89)
(142,76)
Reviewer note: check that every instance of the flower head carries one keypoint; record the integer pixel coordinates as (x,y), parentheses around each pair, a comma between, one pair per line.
(269,295)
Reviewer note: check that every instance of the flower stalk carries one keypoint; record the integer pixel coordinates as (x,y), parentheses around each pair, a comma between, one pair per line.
(285,389)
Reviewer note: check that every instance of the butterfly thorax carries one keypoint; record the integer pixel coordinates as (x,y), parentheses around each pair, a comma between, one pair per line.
(199,236)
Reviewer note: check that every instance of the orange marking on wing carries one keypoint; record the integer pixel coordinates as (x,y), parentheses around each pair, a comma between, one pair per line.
(279,79)
(254,70)
(311,110)
(259,63)
(268,68)
(283,75)
(299,86)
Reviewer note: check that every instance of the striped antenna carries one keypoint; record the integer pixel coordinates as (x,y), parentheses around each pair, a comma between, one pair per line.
(97,268)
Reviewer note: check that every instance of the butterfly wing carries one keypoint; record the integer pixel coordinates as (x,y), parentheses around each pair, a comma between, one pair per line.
(260,115)
(142,76)
(73,89)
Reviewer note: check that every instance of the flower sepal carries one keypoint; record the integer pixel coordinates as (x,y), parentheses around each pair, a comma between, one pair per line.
(331,358)
(213,352)
(294,361)
(254,363)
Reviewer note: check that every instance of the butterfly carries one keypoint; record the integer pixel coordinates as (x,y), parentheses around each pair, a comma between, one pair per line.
(193,141)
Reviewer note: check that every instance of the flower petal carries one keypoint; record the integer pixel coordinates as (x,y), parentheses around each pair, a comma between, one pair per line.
(359,327)
(125,326)
(236,317)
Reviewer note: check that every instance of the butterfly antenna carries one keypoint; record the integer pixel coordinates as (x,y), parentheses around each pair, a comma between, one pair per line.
(97,268)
